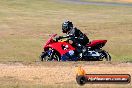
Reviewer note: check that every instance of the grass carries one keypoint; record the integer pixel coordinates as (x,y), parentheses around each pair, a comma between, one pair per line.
(101,0)
(115,1)
(25,25)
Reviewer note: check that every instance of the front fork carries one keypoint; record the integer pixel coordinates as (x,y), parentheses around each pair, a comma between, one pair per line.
(48,53)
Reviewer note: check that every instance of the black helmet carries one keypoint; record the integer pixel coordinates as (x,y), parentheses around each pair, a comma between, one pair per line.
(67,26)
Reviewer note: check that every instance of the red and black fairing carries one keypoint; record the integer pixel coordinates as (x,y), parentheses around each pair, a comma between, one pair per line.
(58,46)
(96,44)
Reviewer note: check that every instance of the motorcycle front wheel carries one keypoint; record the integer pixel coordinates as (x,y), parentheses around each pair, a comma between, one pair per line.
(49,56)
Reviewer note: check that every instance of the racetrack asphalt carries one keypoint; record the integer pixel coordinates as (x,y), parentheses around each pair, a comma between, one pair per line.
(95,3)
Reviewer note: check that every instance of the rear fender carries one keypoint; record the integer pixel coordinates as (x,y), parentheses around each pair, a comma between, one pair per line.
(97,43)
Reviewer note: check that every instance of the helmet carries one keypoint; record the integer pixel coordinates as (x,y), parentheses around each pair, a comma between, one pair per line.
(67,26)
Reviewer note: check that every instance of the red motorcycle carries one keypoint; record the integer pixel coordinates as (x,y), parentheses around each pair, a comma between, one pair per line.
(55,49)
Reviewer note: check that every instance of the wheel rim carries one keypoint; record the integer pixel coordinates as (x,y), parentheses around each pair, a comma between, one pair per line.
(56,57)
(53,57)
(106,56)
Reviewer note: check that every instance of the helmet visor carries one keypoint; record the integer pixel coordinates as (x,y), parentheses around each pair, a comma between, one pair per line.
(64,28)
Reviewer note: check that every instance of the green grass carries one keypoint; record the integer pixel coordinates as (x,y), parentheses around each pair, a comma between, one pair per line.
(115,1)
(100,0)
(25,25)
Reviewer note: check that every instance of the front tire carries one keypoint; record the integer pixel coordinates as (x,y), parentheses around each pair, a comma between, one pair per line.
(54,56)
(42,56)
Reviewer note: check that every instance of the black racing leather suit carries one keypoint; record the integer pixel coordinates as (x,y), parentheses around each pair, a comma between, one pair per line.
(78,37)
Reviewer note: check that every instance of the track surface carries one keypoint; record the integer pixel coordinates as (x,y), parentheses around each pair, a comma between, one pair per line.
(58,73)
(95,3)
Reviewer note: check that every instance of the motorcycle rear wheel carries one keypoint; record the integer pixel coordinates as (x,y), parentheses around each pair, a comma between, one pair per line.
(107,56)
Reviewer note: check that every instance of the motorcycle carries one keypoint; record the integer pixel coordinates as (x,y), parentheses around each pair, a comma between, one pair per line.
(54,49)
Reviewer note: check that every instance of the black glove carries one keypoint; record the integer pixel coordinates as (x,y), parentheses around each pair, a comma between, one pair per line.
(58,38)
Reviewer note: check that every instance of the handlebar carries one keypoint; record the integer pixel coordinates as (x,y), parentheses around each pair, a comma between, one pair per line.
(67,36)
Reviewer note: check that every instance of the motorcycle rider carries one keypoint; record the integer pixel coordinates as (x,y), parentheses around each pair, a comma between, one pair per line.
(75,37)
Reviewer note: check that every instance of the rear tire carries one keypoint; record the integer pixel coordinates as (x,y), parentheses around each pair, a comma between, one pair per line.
(106,55)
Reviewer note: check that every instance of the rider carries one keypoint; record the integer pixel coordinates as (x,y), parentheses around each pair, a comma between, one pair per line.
(75,36)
